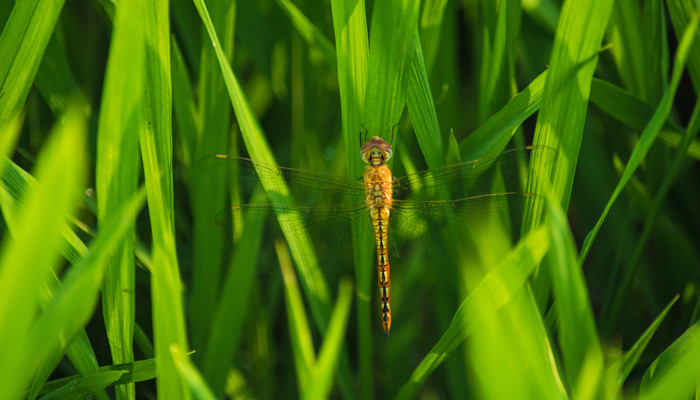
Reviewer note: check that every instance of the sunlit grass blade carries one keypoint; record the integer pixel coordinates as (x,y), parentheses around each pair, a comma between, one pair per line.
(157,154)
(189,374)
(116,173)
(138,371)
(645,142)
(578,337)
(390,55)
(422,109)
(352,52)
(22,44)
(300,336)
(629,360)
(567,88)
(493,136)
(507,279)
(75,302)
(674,374)
(324,369)
(24,270)
(510,352)
(626,34)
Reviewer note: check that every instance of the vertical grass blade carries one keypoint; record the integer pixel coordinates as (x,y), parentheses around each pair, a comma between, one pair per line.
(352,52)
(567,88)
(121,118)
(391,36)
(157,153)
(22,44)
(578,337)
(206,195)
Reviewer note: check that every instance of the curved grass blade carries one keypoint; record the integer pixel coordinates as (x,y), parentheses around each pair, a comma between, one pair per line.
(508,278)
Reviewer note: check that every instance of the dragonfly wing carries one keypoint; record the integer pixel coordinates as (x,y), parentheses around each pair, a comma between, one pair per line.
(322,230)
(308,188)
(501,173)
(434,227)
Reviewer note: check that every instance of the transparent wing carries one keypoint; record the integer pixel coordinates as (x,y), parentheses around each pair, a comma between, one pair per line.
(433,209)
(308,188)
(501,173)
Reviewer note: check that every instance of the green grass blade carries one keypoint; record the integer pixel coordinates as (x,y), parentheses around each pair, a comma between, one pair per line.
(189,374)
(300,335)
(578,337)
(325,366)
(157,153)
(207,195)
(501,28)
(674,374)
(493,136)
(226,328)
(352,52)
(508,278)
(121,118)
(567,88)
(76,301)
(629,360)
(430,25)
(138,371)
(390,55)
(647,139)
(22,44)
(24,270)
(85,387)
(422,109)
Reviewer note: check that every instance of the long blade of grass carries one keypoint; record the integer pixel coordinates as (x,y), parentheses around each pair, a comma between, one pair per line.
(22,44)
(508,278)
(121,118)
(352,52)
(567,88)
(300,335)
(157,154)
(207,195)
(578,337)
(331,350)
(624,366)
(75,302)
(422,109)
(493,136)
(390,55)
(23,269)
(189,374)
(683,15)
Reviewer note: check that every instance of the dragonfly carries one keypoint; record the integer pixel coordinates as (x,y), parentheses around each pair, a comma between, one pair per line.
(416,208)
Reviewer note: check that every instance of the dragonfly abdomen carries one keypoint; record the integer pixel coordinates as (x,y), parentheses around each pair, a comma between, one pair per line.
(378,188)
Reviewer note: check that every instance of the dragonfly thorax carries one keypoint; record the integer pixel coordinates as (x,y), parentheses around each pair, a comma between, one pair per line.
(376,151)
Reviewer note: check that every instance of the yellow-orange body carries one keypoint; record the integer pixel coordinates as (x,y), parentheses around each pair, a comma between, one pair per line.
(378,197)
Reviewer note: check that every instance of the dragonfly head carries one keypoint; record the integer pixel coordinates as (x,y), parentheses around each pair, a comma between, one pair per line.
(375,151)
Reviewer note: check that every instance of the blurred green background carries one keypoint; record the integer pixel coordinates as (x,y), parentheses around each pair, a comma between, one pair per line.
(116,282)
